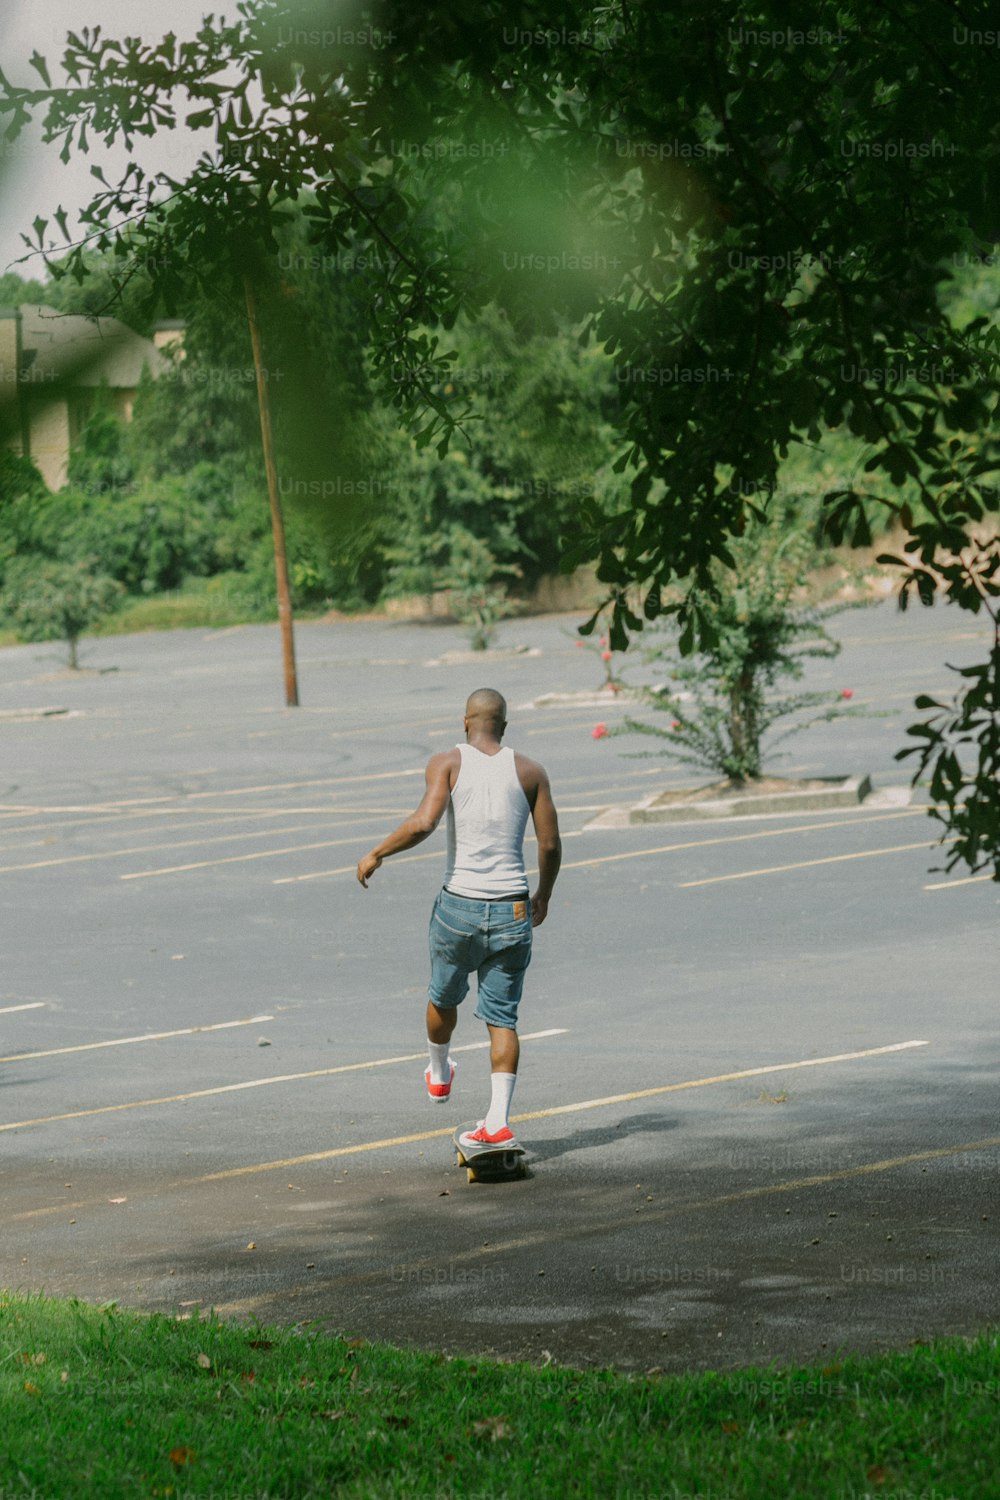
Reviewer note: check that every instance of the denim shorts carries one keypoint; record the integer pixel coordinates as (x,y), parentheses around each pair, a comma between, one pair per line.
(487,938)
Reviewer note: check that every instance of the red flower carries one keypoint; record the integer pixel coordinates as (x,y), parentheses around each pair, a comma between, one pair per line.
(847,693)
(676,724)
(605,656)
(599,732)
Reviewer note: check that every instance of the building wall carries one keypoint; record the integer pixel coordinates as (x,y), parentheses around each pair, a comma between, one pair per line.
(10,359)
(49,437)
(47,393)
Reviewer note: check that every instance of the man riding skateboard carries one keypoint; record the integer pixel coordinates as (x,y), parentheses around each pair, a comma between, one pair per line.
(483,917)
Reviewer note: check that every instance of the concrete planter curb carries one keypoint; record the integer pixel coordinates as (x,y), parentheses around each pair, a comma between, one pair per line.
(31,713)
(843,791)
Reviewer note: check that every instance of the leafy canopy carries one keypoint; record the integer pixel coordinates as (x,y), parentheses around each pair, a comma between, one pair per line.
(757,215)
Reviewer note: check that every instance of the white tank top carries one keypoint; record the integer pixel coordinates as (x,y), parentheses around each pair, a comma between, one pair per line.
(487,816)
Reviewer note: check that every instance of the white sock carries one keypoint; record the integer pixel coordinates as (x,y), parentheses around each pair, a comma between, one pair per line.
(440,1062)
(503,1089)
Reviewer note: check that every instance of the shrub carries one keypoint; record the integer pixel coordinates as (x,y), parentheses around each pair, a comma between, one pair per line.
(721,702)
(59,601)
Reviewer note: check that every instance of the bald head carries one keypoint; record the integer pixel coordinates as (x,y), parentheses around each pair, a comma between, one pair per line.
(486,711)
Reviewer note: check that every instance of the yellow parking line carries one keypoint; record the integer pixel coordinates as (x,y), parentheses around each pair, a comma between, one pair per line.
(188,818)
(289,786)
(236,859)
(403,859)
(735,838)
(600,775)
(440,726)
(603,859)
(31,810)
(564,728)
(236,791)
(559,1109)
(105,820)
(225,838)
(949,885)
(805,864)
(260,1083)
(160,806)
(245,1306)
(129,1041)
(448,1130)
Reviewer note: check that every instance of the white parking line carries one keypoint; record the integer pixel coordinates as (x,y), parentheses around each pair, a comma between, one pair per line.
(262,1083)
(9,1010)
(129,1041)
(188,817)
(246,1307)
(26,809)
(224,838)
(604,859)
(402,859)
(559,1109)
(802,864)
(238,859)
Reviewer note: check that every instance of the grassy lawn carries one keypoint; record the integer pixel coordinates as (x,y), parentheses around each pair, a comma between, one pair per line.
(202,603)
(99,1403)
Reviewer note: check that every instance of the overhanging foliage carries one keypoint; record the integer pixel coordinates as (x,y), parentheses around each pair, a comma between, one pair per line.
(756,215)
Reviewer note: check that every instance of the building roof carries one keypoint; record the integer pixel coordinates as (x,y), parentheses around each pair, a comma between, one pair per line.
(65,348)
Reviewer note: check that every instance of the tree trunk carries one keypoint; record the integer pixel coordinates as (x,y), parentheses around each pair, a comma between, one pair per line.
(277,519)
(743,726)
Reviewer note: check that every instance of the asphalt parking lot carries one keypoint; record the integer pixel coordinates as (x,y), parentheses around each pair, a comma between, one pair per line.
(759,1070)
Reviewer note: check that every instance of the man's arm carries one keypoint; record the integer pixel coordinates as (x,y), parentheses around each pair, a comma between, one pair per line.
(543,816)
(422,822)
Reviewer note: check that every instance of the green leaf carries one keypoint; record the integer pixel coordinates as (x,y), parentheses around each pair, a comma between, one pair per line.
(40,66)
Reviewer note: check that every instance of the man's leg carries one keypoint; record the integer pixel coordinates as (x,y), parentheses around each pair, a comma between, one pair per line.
(501,979)
(454,952)
(441,1023)
(505,1052)
(505,1049)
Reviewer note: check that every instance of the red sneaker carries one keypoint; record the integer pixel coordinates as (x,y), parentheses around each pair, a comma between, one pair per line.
(439,1091)
(481,1136)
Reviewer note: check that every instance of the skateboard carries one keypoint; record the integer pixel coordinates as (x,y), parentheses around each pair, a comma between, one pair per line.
(491,1163)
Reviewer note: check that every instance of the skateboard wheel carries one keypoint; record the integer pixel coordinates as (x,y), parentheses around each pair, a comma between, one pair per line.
(499,1169)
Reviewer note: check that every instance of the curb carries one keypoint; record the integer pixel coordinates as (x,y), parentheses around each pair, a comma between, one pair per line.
(844,791)
(31,713)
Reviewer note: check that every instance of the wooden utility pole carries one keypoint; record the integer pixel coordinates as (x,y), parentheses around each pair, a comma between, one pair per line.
(277,520)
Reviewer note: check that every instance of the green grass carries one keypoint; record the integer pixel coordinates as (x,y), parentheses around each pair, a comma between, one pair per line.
(198,605)
(202,603)
(97,1403)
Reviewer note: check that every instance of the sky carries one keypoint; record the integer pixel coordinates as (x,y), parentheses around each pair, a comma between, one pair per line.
(33,181)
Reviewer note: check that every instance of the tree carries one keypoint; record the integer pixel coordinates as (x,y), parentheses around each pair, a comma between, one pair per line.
(536,435)
(473,576)
(711,189)
(721,701)
(59,601)
(14,290)
(98,462)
